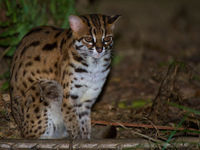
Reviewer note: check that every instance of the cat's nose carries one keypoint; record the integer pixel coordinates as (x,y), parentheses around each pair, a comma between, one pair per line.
(99,49)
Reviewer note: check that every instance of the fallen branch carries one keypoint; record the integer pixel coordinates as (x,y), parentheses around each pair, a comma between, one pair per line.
(104,144)
(143,126)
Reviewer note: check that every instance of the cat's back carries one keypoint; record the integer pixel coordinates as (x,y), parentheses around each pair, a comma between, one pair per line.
(36,56)
(38,40)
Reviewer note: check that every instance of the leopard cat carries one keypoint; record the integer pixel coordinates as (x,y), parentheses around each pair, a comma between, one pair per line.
(57,74)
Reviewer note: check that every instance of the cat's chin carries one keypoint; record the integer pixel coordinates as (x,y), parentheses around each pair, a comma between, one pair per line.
(97,56)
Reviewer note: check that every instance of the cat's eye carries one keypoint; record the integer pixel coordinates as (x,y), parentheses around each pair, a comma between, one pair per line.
(107,39)
(88,39)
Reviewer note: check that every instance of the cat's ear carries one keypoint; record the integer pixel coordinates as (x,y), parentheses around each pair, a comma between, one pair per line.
(112,20)
(76,23)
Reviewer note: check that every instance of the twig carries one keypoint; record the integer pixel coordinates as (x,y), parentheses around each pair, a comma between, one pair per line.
(142,126)
(4,53)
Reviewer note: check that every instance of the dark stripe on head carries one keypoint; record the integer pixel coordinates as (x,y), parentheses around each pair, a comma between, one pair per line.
(95,20)
(86,20)
(104,23)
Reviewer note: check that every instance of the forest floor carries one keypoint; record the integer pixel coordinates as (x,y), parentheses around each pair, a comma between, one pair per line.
(155,76)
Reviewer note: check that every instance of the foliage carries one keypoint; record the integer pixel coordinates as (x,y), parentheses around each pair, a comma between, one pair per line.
(22,15)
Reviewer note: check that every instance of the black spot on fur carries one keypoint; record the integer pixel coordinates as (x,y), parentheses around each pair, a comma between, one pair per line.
(74,96)
(30,80)
(33,88)
(20,65)
(69,33)
(33,99)
(49,47)
(57,34)
(85,113)
(24,72)
(22,92)
(24,83)
(35,131)
(39,122)
(107,59)
(62,42)
(33,44)
(33,74)
(78,85)
(16,76)
(46,103)
(36,110)
(80,70)
(72,65)
(76,57)
(28,64)
(79,47)
(37,58)
(108,67)
(56,65)
(27,116)
(57,29)
(38,71)
(33,31)
(50,70)
(67,96)
(64,73)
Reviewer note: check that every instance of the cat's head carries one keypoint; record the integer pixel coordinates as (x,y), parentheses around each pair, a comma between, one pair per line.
(93,34)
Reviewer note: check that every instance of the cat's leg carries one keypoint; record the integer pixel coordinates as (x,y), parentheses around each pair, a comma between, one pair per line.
(42,99)
(51,92)
(84,111)
(70,115)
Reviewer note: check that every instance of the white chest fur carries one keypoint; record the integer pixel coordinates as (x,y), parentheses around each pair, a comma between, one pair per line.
(92,81)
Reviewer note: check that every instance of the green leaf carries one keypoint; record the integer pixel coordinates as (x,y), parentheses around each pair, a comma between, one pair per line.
(5,86)
(121,105)
(8,41)
(9,31)
(139,103)
(11,51)
(4,24)
(185,108)
(5,75)
(117,59)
